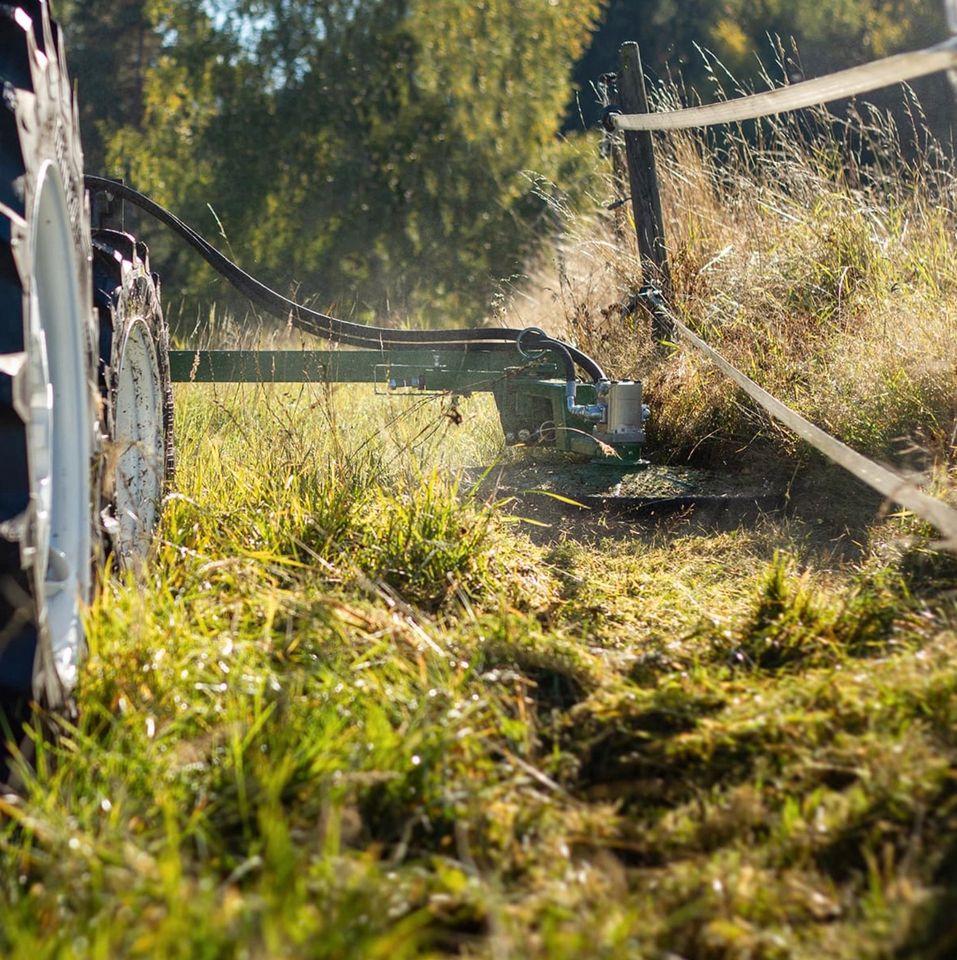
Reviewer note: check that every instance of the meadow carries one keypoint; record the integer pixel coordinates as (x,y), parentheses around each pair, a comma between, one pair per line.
(355,707)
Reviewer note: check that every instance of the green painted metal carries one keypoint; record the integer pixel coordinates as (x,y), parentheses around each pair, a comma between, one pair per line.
(530,393)
(534,412)
(460,371)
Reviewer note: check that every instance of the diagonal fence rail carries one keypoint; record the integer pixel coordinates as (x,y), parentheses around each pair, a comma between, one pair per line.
(638,124)
(885,481)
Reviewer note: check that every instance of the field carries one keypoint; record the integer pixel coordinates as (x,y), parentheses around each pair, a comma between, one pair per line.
(354,708)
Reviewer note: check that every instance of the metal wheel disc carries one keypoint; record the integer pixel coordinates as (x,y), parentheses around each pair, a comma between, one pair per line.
(58,441)
(139,443)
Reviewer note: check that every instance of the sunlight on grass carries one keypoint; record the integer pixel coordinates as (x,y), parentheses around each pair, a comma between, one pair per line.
(349,711)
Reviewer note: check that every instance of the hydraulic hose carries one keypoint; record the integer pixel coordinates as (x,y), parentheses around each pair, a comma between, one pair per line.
(333,328)
(592,411)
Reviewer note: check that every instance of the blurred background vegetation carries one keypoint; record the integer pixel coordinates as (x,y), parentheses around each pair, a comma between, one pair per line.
(400,160)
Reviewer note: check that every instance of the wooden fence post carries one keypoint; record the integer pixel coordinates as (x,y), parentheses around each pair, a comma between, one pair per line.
(643,175)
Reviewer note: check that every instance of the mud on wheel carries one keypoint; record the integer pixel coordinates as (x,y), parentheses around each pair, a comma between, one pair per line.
(134,381)
(48,405)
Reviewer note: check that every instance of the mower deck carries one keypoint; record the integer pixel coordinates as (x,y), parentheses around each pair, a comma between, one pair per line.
(654,491)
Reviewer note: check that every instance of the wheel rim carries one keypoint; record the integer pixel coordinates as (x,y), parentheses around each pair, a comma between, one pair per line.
(58,439)
(137,412)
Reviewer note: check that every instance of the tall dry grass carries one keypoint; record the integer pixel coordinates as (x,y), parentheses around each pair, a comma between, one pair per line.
(817,252)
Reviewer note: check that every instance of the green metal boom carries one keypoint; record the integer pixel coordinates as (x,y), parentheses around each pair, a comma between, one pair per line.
(530,392)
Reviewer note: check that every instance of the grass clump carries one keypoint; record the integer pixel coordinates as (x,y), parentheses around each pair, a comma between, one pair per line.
(346,513)
(791,623)
(424,542)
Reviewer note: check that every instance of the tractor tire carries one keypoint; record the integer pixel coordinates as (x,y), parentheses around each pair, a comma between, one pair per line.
(135,383)
(49,430)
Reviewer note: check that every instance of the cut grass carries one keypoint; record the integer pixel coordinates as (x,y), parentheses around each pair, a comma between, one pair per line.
(351,712)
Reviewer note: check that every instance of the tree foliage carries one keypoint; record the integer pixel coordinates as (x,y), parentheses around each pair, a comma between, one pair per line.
(375,153)
(676,35)
(111,48)
(371,150)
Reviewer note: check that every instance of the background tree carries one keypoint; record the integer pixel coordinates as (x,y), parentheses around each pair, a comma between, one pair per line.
(740,33)
(111,47)
(373,150)
(378,152)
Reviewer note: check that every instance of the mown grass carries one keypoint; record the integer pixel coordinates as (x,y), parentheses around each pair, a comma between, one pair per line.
(351,711)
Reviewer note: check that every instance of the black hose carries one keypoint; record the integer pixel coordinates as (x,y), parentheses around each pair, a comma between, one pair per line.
(547,343)
(332,328)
